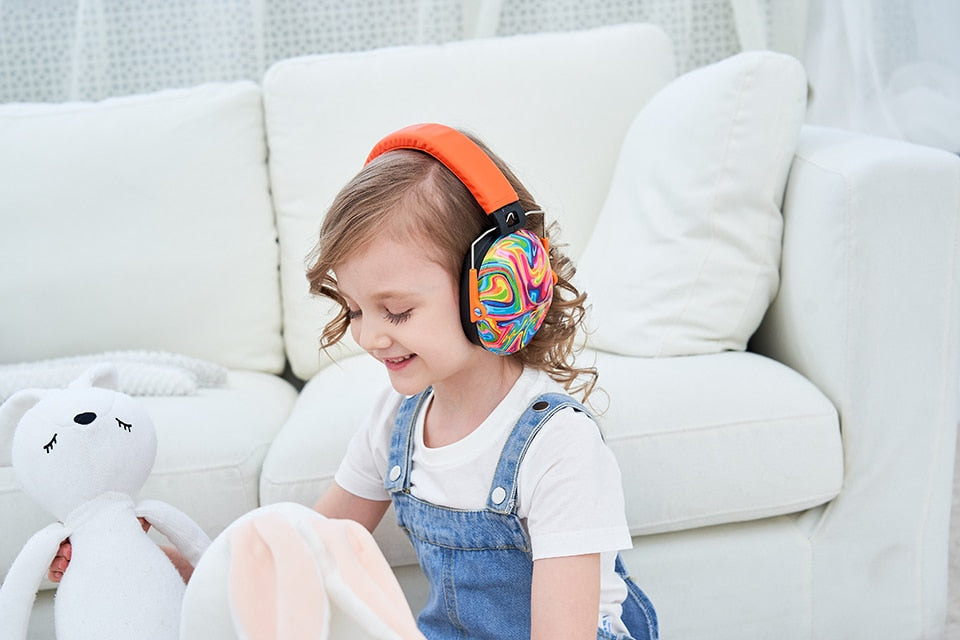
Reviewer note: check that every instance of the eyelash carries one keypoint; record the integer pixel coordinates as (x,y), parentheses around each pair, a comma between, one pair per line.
(393,318)
(397,318)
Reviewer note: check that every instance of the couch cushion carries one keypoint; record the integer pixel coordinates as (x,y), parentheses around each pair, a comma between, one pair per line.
(554,106)
(700,440)
(140,222)
(210,448)
(685,255)
(307,452)
(717,438)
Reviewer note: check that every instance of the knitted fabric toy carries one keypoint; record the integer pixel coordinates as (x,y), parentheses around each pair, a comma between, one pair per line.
(83,454)
(285,572)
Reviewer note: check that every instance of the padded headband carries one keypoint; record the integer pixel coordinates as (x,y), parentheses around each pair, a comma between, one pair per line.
(464,158)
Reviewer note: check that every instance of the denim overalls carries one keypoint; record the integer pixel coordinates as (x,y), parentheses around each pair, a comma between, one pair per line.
(479,563)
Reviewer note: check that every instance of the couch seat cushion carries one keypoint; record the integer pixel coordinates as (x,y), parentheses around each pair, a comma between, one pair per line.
(717,438)
(307,452)
(210,448)
(700,440)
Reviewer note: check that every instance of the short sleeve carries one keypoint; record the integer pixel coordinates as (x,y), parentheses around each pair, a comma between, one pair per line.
(570,490)
(364,465)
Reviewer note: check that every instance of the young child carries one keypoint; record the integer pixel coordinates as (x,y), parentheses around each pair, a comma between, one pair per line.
(440,263)
(438,258)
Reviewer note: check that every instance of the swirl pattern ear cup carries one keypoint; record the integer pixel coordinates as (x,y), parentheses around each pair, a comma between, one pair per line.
(508,292)
(507,284)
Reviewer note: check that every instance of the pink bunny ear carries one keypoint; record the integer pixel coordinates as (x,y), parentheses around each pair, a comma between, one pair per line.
(10,413)
(103,375)
(276,591)
(371,591)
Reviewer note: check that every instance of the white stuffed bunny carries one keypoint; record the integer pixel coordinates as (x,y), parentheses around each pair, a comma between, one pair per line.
(83,454)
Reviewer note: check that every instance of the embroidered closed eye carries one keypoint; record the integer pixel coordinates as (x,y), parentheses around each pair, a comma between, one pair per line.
(126,426)
(49,446)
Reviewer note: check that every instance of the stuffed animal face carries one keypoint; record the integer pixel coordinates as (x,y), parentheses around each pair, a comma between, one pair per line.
(72,445)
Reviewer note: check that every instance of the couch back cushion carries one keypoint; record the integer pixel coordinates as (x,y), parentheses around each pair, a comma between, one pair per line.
(685,254)
(140,222)
(554,106)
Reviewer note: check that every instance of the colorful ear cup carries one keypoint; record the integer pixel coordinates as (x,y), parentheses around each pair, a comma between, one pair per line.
(507,284)
(508,291)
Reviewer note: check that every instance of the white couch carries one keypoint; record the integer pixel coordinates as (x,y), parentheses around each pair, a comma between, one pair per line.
(796,489)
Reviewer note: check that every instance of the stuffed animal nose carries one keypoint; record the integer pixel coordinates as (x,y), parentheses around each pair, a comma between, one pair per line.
(85,418)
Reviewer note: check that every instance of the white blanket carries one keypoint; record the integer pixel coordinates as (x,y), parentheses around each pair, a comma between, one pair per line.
(141,373)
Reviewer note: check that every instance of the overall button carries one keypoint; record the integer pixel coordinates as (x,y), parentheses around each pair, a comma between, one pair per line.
(395,473)
(499,495)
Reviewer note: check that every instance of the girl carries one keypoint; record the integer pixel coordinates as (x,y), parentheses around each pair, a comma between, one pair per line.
(438,259)
(501,481)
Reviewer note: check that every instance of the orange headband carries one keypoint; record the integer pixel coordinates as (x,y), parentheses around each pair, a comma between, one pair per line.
(461,155)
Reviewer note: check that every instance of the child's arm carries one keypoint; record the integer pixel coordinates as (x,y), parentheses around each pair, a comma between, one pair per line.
(337,502)
(565,598)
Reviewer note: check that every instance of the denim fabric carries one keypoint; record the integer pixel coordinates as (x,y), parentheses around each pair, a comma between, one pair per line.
(479,563)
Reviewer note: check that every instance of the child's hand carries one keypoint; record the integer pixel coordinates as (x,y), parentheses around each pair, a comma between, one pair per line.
(62,560)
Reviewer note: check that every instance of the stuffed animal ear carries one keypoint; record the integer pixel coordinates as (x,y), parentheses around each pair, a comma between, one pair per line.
(103,375)
(10,413)
(275,588)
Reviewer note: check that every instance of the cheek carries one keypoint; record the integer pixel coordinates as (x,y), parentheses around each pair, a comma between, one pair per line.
(450,324)
(454,333)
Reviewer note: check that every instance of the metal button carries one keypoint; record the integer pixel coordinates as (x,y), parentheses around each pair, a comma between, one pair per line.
(395,473)
(499,495)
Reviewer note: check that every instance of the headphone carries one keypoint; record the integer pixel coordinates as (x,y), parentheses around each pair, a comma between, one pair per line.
(506,284)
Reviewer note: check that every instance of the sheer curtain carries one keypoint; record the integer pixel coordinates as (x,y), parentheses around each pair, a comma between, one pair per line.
(56,50)
(59,50)
(891,68)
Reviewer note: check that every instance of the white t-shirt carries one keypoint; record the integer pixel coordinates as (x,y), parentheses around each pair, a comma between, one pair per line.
(569,492)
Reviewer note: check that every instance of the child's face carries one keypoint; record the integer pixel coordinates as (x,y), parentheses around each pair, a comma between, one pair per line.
(404,311)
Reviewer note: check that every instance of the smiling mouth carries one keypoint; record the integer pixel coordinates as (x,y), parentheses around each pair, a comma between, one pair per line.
(398,363)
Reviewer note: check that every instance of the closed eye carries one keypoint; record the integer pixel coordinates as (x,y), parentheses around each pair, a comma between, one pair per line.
(126,426)
(397,318)
(49,446)
(353,314)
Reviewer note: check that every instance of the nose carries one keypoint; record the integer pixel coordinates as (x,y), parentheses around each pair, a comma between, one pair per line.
(85,418)
(371,334)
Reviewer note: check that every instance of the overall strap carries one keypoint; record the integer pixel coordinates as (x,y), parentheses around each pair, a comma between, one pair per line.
(401,443)
(502,497)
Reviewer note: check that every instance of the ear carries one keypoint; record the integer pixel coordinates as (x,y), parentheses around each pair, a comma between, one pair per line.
(103,375)
(10,413)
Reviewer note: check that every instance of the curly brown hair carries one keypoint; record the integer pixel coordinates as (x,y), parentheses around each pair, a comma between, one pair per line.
(413,196)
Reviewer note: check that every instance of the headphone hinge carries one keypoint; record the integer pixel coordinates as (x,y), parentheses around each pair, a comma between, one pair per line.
(509,218)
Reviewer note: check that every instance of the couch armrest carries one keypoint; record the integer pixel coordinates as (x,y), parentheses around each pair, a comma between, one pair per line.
(868,311)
